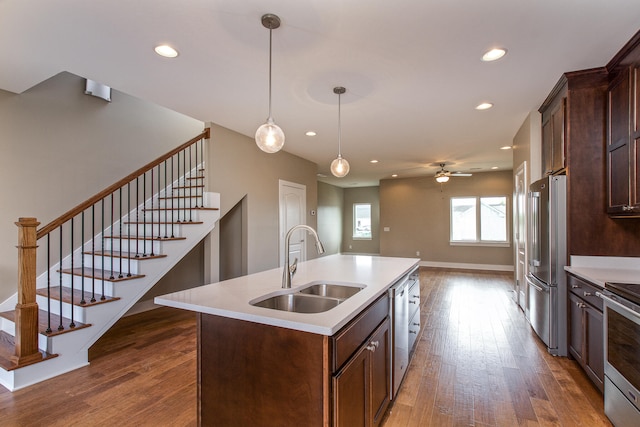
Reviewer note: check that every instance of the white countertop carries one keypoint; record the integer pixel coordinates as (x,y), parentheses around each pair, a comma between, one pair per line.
(601,269)
(231,298)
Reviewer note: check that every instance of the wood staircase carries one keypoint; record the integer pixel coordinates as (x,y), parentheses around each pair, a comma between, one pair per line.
(86,289)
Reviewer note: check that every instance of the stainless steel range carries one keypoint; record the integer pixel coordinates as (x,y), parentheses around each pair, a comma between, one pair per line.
(622,353)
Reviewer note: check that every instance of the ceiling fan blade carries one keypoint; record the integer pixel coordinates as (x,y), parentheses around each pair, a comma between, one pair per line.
(461,174)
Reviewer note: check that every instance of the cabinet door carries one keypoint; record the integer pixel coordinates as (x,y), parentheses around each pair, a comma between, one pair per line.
(594,360)
(618,134)
(350,388)
(547,147)
(558,136)
(576,328)
(380,372)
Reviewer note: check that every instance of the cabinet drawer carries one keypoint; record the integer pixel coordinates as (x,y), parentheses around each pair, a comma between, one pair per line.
(585,290)
(414,331)
(351,337)
(414,298)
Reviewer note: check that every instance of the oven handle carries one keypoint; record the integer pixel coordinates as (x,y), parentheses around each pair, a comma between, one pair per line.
(617,304)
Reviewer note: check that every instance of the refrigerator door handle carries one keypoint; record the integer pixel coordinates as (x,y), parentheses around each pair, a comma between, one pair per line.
(534,200)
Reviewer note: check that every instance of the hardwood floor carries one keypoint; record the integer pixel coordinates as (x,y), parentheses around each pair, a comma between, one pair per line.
(477,363)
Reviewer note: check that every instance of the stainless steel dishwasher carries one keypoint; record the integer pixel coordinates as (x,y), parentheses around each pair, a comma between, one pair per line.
(399,302)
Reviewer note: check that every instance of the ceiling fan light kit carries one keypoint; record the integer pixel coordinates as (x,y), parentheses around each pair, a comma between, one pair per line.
(443,175)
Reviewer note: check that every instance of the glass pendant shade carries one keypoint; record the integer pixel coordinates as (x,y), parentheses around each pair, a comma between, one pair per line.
(339,167)
(442,178)
(269,137)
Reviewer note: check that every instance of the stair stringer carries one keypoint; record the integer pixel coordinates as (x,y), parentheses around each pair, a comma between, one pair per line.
(72,348)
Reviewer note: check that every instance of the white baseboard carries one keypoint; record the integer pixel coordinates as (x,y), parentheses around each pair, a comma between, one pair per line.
(466,266)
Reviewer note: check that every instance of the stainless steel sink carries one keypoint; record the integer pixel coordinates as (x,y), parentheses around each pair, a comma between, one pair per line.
(316,297)
(331,290)
(298,303)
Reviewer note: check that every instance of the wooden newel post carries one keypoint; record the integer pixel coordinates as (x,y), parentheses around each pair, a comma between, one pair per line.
(26,320)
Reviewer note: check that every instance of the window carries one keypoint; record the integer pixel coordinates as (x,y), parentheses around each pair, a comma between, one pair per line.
(362,221)
(486,226)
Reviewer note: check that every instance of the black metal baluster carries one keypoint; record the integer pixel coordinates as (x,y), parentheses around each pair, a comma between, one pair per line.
(152,215)
(93,252)
(71,246)
(48,283)
(60,326)
(120,276)
(190,169)
(166,202)
(144,214)
(112,242)
(173,195)
(187,183)
(137,218)
(103,252)
(82,301)
(128,230)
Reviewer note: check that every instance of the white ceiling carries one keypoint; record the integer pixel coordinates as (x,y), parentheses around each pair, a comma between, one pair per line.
(411,68)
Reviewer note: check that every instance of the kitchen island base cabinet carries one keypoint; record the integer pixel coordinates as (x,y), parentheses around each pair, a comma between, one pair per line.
(361,388)
(251,374)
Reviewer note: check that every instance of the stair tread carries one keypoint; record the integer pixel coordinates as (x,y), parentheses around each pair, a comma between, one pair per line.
(126,255)
(43,324)
(163,223)
(7,349)
(132,237)
(181,197)
(182,187)
(180,209)
(77,296)
(98,273)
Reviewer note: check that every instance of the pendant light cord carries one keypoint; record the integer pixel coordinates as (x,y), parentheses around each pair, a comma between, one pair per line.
(339,127)
(270,43)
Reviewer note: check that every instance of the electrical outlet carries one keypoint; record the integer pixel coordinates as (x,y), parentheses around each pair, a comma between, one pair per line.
(350,247)
(417,253)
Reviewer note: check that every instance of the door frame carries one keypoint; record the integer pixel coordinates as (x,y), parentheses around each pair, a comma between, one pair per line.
(520,269)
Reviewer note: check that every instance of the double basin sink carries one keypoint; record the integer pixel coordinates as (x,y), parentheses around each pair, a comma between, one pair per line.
(316,297)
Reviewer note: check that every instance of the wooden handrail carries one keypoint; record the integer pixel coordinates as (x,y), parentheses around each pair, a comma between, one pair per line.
(104,193)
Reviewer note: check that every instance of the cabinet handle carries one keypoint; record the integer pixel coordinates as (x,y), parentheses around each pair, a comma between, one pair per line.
(580,304)
(575,286)
(415,324)
(588,294)
(413,332)
(412,302)
(373,346)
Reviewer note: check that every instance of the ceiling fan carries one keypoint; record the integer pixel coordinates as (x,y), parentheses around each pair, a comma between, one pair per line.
(443,175)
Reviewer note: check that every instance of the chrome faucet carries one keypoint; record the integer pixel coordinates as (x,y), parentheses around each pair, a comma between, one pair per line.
(290,270)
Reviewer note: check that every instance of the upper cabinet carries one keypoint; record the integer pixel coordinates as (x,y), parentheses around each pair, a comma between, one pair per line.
(623,132)
(553,131)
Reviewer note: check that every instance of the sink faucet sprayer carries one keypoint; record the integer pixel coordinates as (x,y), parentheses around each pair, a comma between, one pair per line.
(290,270)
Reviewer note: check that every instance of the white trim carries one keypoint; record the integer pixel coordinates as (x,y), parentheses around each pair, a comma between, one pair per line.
(465,266)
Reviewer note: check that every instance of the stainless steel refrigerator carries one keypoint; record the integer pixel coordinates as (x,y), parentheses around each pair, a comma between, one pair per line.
(546,279)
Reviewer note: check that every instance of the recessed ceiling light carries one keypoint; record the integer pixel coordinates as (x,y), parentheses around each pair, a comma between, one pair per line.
(506,147)
(310,133)
(484,106)
(373,161)
(494,54)
(321,175)
(494,167)
(395,175)
(166,51)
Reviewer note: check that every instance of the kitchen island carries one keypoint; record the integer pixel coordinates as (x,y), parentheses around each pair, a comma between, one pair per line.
(261,366)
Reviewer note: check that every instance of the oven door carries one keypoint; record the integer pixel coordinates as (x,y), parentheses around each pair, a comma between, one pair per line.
(622,360)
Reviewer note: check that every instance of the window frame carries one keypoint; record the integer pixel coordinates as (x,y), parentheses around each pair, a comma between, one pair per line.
(478,214)
(355,236)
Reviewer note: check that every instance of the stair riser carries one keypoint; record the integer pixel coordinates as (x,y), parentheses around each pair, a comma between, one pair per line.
(193,201)
(136,246)
(154,229)
(90,284)
(170,216)
(185,191)
(79,313)
(112,264)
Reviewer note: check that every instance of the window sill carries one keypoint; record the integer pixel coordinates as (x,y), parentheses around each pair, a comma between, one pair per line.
(482,244)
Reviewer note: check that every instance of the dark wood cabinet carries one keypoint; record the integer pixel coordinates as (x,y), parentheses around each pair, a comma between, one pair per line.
(361,387)
(623,177)
(553,134)
(586,339)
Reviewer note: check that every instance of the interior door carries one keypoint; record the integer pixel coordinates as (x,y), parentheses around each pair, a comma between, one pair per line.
(520,230)
(293,202)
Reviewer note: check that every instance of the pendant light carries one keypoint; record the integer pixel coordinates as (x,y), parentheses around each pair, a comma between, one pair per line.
(339,166)
(269,136)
